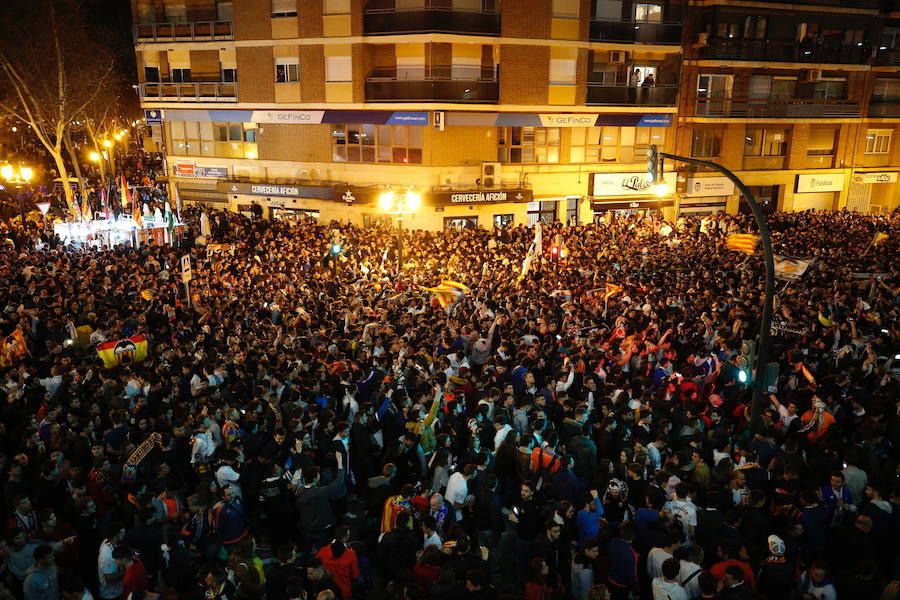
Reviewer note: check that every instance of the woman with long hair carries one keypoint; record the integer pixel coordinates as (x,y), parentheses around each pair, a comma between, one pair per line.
(536,587)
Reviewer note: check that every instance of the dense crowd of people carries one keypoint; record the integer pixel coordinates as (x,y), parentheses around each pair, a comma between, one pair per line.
(310,423)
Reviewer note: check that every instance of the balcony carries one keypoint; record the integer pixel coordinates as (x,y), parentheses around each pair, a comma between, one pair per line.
(430,19)
(201,91)
(198,31)
(776,108)
(863,4)
(438,83)
(888,57)
(766,50)
(635,32)
(661,95)
(884,109)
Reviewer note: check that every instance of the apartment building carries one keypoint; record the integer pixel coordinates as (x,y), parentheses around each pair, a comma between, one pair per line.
(499,111)
(800,100)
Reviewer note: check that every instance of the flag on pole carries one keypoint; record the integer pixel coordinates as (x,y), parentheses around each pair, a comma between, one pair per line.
(125,351)
(104,198)
(86,211)
(790,267)
(126,194)
(742,242)
(447,293)
(534,251)
(170,218)
(880,236)
(611,290)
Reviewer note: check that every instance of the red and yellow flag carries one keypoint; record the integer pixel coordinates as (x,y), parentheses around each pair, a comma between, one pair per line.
(123,352)
(13,347)
(742,242)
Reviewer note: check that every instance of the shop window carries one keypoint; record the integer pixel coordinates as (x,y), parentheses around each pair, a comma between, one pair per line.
(503,220)
(572,211)
(706,143)
(765,142)
(369,143)
(460,223)
(878,141)
(181,76)
(543,211)
(528,145)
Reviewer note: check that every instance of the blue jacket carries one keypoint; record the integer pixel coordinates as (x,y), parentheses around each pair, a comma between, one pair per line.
(623,564)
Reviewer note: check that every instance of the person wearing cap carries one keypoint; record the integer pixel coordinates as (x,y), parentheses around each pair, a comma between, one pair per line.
(775,576)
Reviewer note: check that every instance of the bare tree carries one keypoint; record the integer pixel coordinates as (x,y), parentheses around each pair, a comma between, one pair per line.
(52,71)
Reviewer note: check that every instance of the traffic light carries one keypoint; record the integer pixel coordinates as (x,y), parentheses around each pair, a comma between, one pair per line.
(652,164)
(336,248)
(554,251)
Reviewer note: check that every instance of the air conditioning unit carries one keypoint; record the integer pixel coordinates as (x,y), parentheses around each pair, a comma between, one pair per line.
(813,74)
(490,174)
(617,56)
(703,39)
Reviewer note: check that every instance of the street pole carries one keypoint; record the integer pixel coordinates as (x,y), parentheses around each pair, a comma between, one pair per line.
(399,243)
(765,326)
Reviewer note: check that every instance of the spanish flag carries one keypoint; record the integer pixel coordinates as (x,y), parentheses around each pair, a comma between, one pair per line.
(742,242)
(126,195)
(880,236)
(13,347)
(611,290)
(447,293)
(123,352)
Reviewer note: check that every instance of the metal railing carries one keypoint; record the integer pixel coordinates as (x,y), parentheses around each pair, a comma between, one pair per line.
(779,51)
(201,91)
(751,108)
(435,82)
(864,4)
(638,32)
(660,95)
(431,19)
(885,108)
(183,32)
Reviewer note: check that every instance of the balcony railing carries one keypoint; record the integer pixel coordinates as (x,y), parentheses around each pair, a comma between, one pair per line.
(802,52)
(443,83)
(864,4)
(884,109)
(184,32)
(888,57)
(201,91)
(751,108)
(635,32)
(380,21)
(662,95)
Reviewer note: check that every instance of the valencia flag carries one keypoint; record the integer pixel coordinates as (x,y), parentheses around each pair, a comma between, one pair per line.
(123,352)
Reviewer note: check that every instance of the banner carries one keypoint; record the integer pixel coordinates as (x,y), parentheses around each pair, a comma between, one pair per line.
(123,352)
(789,267)
(12,348)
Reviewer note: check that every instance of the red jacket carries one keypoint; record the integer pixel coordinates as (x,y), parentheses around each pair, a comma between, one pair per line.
(344,569)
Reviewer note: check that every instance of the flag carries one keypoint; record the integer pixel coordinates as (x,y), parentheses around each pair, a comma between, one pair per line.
(13,347)
(136,214)
(105,201)
(611,290)
(125,351)
(448,293)
(742,242)
(790,267)
(534,251)
(880,236)
(147,294)
(170,218)
(126,194)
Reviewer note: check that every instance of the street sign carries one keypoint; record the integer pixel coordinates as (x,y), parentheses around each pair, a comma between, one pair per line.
(43,207)
(153,116)
(186,268)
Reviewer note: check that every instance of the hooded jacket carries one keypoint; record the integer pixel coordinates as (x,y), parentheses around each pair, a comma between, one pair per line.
(341,562)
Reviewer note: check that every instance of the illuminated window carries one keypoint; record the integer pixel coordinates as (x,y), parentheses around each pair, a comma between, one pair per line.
(878,141)
(613,144)
(528,145)
(287,70)
(765,142)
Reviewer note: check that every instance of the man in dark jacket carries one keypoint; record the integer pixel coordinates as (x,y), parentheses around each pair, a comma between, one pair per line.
(314,506)
(397,549)
(623,564)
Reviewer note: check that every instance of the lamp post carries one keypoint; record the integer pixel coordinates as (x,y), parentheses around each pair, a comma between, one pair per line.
(400,205)
(17,177)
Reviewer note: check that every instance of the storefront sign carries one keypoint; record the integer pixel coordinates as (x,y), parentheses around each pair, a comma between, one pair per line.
(709,186)
(153,116)
(820,182)
(212,172)
(279,191)
(883,177)
(480,197)
(628,184)
(567,120)
(303,117)
(185,169)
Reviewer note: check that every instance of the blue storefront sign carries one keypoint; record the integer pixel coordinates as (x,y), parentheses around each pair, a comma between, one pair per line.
(153,116)
(408,118)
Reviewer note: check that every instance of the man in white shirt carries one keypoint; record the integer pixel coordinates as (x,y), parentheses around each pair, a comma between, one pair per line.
(684,511)
(658,556)
(457,493)
(689,571)
(429,533)
(227,475)
(666,587)
(108,572)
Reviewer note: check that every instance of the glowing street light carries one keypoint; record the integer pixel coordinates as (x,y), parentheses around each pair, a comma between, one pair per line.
(94,156)
(17,177)
(107,143)
(400,204)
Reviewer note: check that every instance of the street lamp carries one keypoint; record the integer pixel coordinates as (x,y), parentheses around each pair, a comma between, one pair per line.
(18,177)
(95,157)
(400,205)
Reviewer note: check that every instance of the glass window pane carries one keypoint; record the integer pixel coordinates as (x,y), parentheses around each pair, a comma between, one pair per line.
(353,153)
(610,136)
(552,154)
(608,154)
(528,154)
(576,154)
(368,154)
(400,135)
(384,154)
(578,136)
(384,135)
(339,153)
(368,136)
(628,135)
(540,137)
(234,133)
(515,138)
(206,131)
(415,156)
(177,129)
(415,135)
(553,137)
